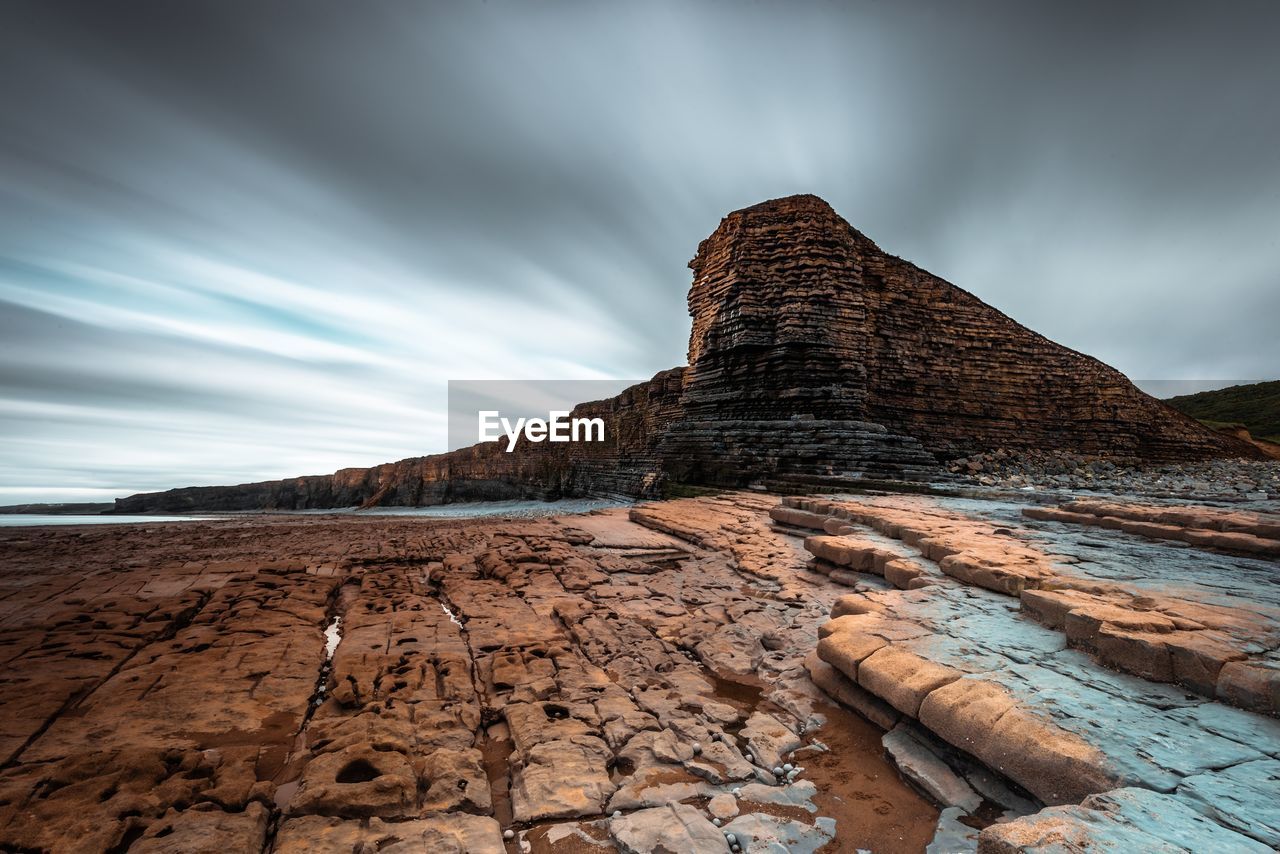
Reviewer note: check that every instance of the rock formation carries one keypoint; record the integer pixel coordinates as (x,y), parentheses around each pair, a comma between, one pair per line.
(813,354)
(374,683)
(1133,686)
(655,678)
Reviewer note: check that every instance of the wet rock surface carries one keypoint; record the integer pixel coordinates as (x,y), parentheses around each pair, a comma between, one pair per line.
(1104,657)
(370,683)
(826,674)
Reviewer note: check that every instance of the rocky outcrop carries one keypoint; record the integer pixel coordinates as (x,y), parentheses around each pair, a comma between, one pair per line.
(626,463)
(813,354)
(795,311)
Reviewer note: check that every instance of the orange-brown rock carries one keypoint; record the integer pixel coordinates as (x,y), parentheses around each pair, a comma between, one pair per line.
(361,683)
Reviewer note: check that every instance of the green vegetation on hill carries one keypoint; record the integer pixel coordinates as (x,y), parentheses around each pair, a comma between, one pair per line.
(1255,406)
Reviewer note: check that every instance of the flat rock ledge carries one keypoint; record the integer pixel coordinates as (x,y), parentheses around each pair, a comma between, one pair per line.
(1084,653)
(624,680)
(674,676)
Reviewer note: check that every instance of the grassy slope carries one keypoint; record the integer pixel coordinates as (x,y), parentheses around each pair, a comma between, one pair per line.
(1256,406)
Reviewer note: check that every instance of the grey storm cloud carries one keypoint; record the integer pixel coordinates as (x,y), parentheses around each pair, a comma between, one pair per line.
(248,240)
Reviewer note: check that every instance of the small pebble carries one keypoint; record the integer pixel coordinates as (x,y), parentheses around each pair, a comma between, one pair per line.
(508,834)
(617,813)
(697,748)
(730,837)
(788,766)
(737,792)
(777,772)
(717,822)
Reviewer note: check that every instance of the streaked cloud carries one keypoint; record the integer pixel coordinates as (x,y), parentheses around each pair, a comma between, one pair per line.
(241,241)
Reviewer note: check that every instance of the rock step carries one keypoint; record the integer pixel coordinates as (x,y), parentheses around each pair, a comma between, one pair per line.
(1203,530)
(1162,639)
(975,673)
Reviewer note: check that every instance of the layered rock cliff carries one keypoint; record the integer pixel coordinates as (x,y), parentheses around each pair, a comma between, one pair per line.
(813,354)
(794,310)
(626,463)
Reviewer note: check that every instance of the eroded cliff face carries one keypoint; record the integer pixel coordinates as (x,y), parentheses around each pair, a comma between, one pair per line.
(795,311)
(626,463)
(813,355)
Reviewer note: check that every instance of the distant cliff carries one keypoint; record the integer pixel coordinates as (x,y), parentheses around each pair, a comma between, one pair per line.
(625,464)
(813,354)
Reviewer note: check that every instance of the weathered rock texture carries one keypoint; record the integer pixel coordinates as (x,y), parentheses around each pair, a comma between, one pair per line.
(167,688)
(795,311)
(813,354)
(1132,685)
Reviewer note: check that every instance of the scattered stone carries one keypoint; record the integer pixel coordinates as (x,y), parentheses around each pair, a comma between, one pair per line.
(923,767)
(723,807)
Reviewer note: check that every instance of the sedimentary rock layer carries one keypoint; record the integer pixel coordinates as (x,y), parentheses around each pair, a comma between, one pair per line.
(626,463)
(796,311)
(1032,690)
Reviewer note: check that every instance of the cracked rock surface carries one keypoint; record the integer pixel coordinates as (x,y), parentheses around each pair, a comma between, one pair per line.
(1086,653)
(349,684)
(830,674)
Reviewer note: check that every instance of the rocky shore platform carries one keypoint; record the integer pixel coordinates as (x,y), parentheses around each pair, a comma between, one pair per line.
(1226,480)
(734,672)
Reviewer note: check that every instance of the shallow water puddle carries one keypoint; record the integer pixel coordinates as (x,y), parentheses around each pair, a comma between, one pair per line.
(332,637)
(287,778)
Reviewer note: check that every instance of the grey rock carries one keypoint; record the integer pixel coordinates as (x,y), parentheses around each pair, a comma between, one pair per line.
(923,767)
(675,828)
(759,833)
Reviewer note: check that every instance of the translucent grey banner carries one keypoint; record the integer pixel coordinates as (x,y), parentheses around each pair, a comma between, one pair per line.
(512,412)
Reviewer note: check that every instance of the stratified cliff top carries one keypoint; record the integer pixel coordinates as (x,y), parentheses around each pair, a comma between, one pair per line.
(796,312)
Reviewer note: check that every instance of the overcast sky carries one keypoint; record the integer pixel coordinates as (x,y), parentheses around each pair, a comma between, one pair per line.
(244,240)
